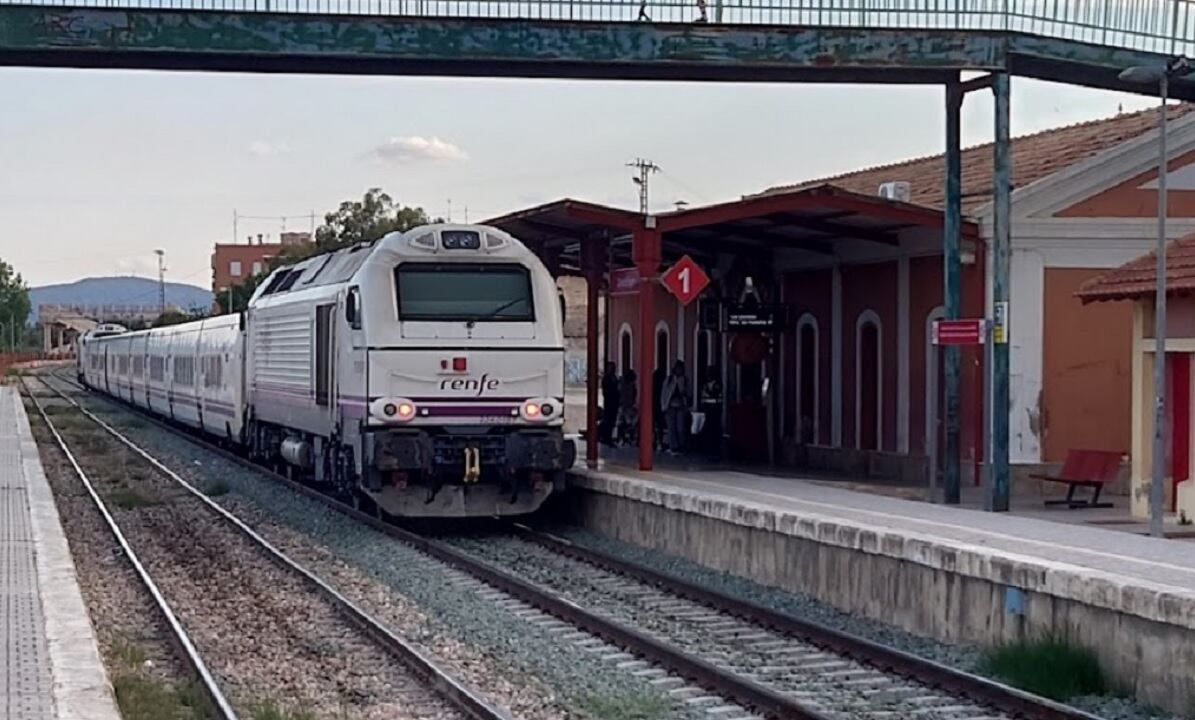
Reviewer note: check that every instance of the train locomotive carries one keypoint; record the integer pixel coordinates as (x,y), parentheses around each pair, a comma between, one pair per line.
(421,375)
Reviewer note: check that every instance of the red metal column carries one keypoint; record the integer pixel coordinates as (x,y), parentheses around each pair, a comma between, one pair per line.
(592,266)
(1180,422)
(645,249)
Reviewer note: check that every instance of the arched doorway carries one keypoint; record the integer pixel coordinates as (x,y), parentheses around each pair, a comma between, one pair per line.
(663,344)
(808,400)
(625,349)
(869,382)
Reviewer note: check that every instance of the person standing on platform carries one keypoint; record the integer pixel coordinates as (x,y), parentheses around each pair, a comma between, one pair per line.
(711,405)
(610,403)
(628,411)
(674,399)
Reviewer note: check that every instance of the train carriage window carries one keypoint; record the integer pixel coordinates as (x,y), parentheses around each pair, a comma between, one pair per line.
(184,370)
(464,292)
(157,368)
(213,371)
(138,366)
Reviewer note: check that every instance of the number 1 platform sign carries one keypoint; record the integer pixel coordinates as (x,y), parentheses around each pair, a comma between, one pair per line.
(685,280)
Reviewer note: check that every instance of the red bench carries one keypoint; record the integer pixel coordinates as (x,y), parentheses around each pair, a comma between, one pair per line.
(1085,468)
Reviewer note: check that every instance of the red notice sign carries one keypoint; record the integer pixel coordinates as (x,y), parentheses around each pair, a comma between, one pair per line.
(685,280)
(624,281)
(960,332)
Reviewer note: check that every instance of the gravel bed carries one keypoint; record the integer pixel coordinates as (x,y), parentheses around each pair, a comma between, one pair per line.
(132,635)
(963,657)
(262,630)
(525,665)
(832,685)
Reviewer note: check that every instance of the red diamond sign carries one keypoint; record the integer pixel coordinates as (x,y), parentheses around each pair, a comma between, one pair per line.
(685,280)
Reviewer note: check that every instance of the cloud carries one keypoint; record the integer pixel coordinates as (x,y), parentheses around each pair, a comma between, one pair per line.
(138,265)
(414,149)
(263,148)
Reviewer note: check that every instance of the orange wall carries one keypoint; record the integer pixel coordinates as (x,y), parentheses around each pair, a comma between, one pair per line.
(1128,200)
(1086,368)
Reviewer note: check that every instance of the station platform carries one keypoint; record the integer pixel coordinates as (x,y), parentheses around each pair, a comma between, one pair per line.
(953,573)
(50,667)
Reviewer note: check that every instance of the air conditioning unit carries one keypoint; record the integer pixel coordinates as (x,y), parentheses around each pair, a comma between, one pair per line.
(897,190)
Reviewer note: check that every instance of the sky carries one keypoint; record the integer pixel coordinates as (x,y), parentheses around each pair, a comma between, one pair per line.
(100,168)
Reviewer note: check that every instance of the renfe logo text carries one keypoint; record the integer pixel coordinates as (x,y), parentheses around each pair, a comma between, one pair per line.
(473,385)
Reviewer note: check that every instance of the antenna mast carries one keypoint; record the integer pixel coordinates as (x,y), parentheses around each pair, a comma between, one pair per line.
(645,168)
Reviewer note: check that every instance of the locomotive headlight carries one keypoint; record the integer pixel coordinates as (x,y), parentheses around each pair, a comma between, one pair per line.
(537,410)
(393,409)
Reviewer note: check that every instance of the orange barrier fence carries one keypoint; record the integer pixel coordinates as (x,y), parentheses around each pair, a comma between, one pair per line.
(7,360)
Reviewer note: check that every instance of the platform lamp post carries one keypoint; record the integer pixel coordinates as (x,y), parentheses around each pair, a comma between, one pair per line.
(1175,67)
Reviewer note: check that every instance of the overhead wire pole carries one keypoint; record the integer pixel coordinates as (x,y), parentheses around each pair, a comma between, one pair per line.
(161,280)
(645,168)
(952,272)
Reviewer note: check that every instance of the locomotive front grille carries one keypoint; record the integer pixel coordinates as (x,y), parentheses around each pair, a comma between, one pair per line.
(449,450)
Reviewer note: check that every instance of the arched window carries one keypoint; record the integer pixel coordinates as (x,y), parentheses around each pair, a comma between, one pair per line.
(662,346)
(869,382)
(625,348)
(808,424)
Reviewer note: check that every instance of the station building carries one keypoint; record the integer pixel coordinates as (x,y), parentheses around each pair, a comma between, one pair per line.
(842,277)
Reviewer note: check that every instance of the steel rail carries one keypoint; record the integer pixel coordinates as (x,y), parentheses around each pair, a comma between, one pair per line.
(730,685)
(452,690)
(181,640)
(980,689)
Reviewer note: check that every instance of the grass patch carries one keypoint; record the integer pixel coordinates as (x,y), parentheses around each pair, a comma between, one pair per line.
(640,706)
(270,710)
(129,499)
(143,697)
(128,654)
(216,488)
(1051,667)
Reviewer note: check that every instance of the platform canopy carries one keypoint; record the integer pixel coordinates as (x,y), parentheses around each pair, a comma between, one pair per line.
(813,219)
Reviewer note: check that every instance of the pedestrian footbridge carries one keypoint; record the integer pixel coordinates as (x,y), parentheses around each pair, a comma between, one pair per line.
(1084,42)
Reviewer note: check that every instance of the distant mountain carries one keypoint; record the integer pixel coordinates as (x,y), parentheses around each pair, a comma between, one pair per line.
(118,291)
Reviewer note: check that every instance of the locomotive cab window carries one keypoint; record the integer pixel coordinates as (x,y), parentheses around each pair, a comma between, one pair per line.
(445,292)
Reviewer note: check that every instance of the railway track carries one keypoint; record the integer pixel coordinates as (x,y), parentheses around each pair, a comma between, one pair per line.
(413,687)
(705,648)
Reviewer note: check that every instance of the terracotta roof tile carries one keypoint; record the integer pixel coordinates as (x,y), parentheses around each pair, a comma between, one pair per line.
(1138,278)
(1033,158)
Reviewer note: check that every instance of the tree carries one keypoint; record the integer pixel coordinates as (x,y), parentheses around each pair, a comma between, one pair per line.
(241,292)
(366,220)
(175,317)
(14,304)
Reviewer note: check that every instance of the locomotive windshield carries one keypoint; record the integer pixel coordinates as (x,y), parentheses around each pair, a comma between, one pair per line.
(458,292)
